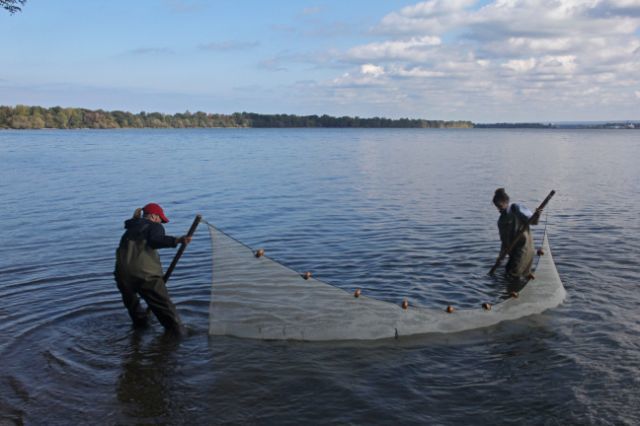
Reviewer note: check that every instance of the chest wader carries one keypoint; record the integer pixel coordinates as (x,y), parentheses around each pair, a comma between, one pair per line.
(521,257)
(139,272)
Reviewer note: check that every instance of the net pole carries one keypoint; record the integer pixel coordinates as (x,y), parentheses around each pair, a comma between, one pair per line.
(182,248)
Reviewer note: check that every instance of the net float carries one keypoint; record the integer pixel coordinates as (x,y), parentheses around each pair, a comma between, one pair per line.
(449,309)
(357,293)
(259,252)
(486,306)
(540,252)
(306,275)
(405,304)
(513,294)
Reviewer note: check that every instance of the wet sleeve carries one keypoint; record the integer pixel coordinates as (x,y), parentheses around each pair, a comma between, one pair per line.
(157,239)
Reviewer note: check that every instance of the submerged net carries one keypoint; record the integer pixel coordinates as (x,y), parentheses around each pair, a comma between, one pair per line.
(257,297)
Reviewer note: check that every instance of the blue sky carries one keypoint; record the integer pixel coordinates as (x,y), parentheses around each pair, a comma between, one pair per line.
(501,60)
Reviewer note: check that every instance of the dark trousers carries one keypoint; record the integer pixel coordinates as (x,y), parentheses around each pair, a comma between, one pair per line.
(155,294)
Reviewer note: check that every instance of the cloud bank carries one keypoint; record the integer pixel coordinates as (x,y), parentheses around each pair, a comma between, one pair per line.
(512,59)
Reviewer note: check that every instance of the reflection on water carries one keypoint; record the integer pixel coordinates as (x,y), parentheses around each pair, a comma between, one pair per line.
(398,213)
(147,369)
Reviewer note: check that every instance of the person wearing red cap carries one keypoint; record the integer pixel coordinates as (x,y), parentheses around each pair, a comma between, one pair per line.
(138,270)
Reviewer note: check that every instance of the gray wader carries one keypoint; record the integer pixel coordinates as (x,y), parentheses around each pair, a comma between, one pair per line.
(521,257)
(139,272)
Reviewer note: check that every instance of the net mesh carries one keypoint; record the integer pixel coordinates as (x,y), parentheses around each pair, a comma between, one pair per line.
(257,297)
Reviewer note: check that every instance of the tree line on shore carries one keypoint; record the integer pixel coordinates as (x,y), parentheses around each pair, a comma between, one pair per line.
(36,117)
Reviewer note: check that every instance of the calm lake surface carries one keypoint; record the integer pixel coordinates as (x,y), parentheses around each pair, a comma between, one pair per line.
(399,213)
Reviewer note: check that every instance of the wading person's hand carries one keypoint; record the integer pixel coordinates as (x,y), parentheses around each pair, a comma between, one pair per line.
(184,240)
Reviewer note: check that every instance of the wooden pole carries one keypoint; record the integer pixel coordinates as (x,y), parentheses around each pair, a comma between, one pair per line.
(183,246)
(520,232)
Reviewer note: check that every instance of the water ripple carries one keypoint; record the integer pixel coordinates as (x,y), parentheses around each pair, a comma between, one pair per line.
(396,213)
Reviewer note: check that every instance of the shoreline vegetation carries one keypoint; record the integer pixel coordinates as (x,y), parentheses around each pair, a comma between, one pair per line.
(36,117)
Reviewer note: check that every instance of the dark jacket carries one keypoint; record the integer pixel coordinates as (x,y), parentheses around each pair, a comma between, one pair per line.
(509,222)
(521,256)
(152,232)
(136,256)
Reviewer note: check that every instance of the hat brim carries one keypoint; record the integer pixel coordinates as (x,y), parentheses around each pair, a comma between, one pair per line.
(163,218)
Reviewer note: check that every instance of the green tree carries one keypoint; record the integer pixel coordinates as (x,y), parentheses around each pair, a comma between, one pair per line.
(5,115)
(76,118)
(25,117)
(12,6)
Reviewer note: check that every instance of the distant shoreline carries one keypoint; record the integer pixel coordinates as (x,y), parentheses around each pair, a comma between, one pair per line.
(35,117)
(634,125)
(22,117)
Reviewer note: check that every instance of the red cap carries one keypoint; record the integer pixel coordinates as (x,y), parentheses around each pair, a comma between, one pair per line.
(153,208)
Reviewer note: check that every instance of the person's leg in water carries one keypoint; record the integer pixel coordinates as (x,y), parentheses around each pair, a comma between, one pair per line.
(131,301)
(155,293)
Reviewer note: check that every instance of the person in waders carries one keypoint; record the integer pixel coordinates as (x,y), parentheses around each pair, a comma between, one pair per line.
(138,270)
(512,217)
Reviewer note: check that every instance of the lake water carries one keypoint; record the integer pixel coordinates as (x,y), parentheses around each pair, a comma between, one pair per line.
(400,213)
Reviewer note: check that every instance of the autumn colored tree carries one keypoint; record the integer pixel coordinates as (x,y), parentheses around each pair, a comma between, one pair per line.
(37,117)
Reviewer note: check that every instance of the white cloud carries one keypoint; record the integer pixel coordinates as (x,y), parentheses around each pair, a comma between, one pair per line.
(416,72)
(558,64)
(540,44)
(436,8)
(396,49)
(373,70)
(546,64)
(358,78)
(434,17)
(520,65)
(505,54)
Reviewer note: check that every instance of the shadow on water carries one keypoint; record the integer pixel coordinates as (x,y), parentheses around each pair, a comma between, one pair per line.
(144,384)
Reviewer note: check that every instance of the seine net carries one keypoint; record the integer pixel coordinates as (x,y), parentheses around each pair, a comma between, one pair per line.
(256,297)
